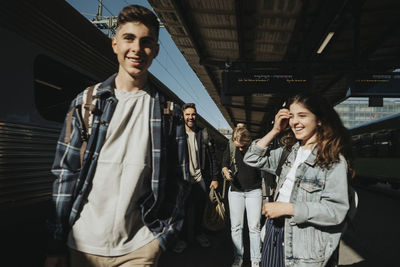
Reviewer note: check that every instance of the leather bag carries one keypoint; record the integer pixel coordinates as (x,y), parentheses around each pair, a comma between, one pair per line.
(214,217)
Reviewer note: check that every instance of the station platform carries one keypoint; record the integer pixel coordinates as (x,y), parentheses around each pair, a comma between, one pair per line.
(372,242)
(220,254)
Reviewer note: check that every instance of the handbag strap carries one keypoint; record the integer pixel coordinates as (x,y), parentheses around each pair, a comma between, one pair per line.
(284,155)
(216,195)
(223,189)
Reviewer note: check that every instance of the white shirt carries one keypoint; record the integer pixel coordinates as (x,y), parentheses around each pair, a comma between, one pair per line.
(287,187)
(194,162)
(110,223)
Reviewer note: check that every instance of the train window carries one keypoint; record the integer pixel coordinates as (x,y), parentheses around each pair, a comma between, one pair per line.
(55,85)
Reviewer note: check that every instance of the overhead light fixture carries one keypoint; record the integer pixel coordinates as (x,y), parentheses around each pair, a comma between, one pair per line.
(325,42)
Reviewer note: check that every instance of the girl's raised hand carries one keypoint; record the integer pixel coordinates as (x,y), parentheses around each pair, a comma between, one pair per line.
(281,120)
(280,124)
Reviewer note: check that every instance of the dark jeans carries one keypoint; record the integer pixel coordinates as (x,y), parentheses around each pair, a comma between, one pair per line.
(194,210)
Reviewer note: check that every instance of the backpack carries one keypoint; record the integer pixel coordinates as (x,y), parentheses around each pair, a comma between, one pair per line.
(85,117)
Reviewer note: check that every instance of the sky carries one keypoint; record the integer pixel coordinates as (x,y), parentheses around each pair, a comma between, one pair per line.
(170,67)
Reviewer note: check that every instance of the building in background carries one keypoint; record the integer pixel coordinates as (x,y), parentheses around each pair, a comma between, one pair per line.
(356,111)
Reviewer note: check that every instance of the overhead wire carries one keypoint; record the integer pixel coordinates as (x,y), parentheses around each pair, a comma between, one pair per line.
(183,76)
(183,88)
(105,7)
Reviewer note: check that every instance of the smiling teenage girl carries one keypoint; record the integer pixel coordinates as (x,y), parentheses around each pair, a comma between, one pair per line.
(305,222)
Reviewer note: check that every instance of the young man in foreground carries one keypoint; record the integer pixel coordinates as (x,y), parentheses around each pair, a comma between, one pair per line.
(125,202)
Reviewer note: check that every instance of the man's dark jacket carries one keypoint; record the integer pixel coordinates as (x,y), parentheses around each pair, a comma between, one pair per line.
(208,163)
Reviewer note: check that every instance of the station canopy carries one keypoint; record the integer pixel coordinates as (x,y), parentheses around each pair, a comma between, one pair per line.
(251,55)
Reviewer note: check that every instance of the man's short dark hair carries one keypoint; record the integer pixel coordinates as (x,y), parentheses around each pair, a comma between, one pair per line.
(136,13)
(189,105)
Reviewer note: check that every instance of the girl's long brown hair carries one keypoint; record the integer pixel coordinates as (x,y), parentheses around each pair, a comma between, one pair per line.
(333,138)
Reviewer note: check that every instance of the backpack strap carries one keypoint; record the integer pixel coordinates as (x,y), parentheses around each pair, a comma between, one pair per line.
(83,133)
(168,110)
(67,137)
(204,143)
(89,108)
(232,164)
(232,152)
(284,155)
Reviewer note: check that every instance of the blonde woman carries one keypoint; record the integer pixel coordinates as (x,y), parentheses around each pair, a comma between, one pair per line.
(244,194)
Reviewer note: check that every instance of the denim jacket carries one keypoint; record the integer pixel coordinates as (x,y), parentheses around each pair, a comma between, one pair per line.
(162,211)
(320,203)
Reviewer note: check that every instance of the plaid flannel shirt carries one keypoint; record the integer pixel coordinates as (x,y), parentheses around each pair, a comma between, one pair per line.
(162,211)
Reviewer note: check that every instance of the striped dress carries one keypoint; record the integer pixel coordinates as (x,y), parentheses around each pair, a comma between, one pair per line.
(273,246)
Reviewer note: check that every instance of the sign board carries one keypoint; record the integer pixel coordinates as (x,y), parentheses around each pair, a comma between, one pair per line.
(247,83)
(377,84)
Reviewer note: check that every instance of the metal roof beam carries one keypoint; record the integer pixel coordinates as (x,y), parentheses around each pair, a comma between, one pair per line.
(264,13)
(229,111)
(230,28)
(247,103)
(240,27)
(388,33)
(250,123)
(251,108)
(246,23)
(188,25)
(195,40)
(362,58)
(327,65)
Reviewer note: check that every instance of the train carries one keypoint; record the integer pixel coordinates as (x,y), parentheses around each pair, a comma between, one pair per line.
(376,151)
(50,52)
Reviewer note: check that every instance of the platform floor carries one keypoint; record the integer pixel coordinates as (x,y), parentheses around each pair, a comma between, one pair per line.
(373,242)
